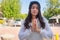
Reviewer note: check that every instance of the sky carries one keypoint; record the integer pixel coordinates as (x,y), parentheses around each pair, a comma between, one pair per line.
(25,5)
(0,1)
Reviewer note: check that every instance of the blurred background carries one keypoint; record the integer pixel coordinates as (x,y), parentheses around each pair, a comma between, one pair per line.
(12,12)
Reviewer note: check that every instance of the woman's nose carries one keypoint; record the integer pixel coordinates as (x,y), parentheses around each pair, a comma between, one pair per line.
(34,8)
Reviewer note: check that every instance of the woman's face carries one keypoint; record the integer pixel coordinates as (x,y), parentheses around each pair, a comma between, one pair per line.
(34,9)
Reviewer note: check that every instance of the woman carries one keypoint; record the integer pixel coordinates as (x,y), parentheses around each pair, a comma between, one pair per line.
(35,26)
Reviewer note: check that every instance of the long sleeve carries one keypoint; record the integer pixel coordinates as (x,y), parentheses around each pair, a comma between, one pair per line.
(23,33)
(46,32)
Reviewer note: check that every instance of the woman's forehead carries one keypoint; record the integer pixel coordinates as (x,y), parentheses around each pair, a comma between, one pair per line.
(35,5)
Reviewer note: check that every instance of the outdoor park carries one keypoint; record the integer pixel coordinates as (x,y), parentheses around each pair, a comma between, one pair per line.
(12,12)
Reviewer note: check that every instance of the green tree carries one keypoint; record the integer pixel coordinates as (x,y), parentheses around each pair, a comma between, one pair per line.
(23,16)
(53,7)
(11,8)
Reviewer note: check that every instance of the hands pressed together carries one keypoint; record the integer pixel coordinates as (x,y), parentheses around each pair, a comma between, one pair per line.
(34,27)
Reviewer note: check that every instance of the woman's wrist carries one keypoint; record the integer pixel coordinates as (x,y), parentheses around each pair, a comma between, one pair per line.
(37,30)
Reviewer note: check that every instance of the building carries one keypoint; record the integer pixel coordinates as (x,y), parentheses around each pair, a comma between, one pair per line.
(55,19)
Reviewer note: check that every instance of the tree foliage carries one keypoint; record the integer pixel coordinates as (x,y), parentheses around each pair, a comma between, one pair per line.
(11,8)
(53,8)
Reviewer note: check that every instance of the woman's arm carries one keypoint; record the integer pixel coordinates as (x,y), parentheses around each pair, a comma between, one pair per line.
(24,33)
(47,32)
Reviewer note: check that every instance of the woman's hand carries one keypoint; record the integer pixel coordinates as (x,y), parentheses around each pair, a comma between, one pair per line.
(35,26)
(37,29)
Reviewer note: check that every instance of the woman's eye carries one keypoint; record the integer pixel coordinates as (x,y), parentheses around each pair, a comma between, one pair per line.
(36,7)
(33,7)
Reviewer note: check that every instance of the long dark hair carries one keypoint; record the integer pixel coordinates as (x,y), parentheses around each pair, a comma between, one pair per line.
(29,17)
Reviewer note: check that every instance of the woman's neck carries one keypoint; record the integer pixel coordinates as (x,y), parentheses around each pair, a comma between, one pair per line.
(33,17)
